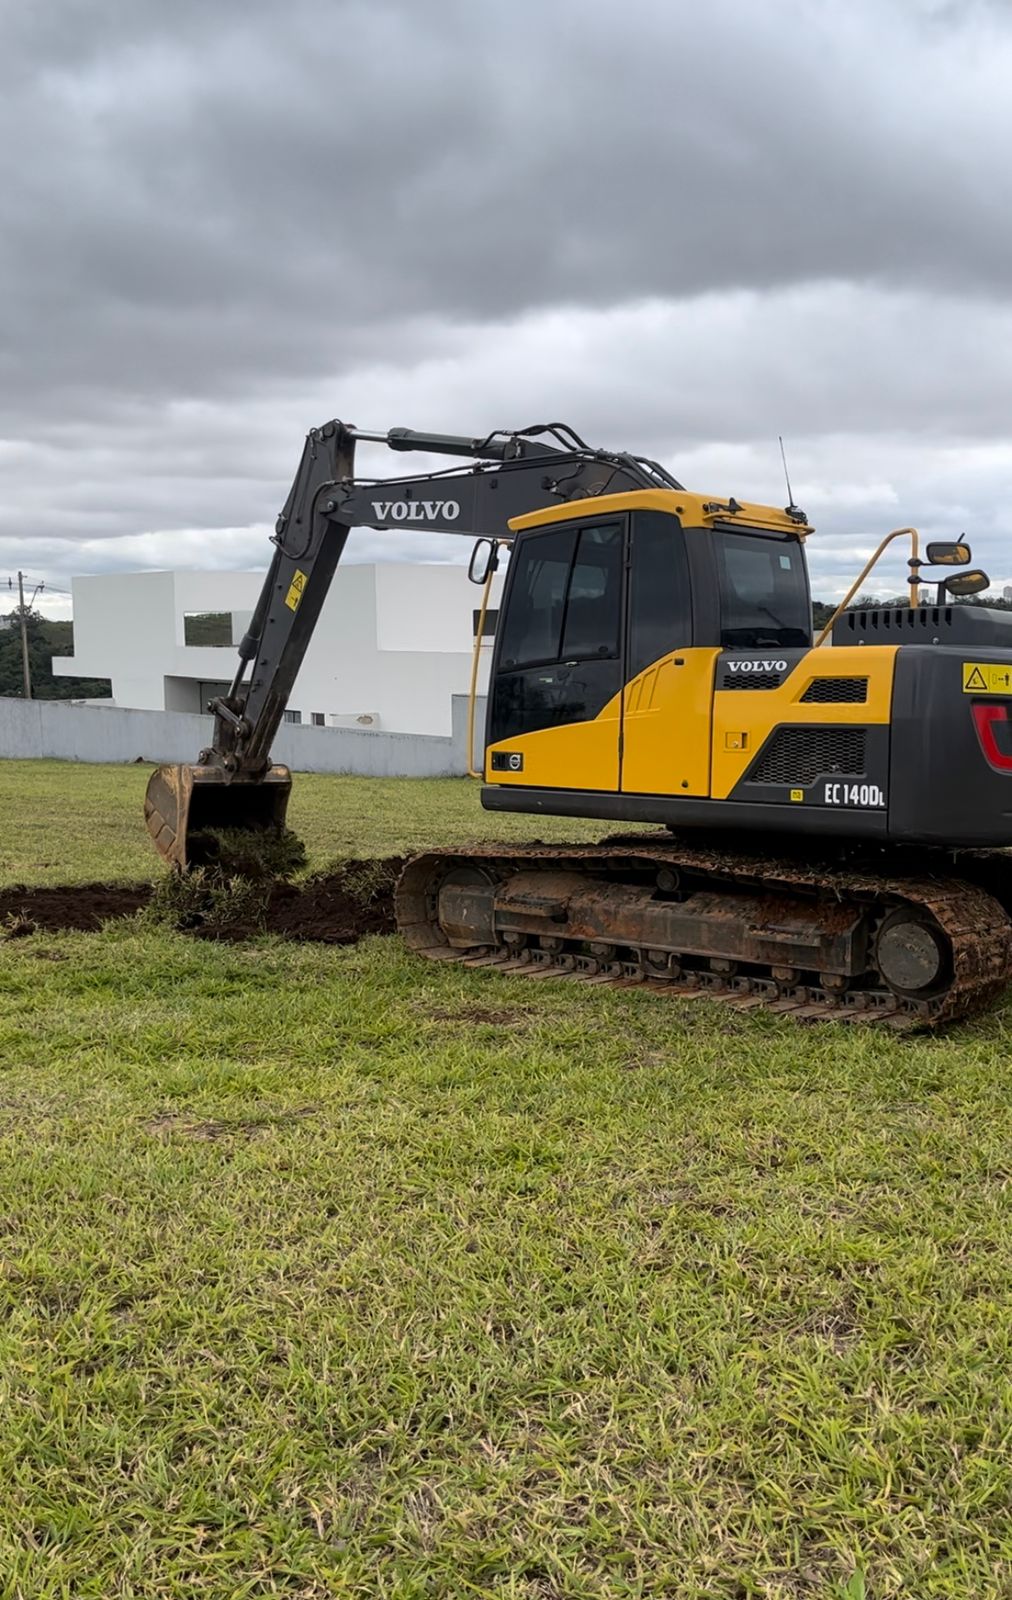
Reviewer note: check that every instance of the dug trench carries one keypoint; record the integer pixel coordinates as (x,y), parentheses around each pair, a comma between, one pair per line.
(339,906)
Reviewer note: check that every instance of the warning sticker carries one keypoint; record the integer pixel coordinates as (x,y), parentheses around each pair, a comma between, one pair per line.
(987,677)
(295,589)
(797,794)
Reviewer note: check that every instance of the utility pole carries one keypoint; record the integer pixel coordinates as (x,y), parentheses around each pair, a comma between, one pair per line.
(24,637)
(23,618)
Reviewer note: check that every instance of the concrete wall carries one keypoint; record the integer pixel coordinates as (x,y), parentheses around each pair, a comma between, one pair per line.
(130,630)
(58,730)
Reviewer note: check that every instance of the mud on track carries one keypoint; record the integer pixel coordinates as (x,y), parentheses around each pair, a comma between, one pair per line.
(338,907)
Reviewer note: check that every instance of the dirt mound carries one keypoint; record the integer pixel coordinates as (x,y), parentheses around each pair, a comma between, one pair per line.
(82,907)
(339,906)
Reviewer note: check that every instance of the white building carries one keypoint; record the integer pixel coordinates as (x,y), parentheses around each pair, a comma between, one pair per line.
(393,644)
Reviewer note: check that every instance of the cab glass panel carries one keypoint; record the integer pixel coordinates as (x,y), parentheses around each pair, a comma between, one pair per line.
(559,659)
(764,599)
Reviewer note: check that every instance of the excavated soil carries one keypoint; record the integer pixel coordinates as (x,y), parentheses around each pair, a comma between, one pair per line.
(81,907)
(338,907)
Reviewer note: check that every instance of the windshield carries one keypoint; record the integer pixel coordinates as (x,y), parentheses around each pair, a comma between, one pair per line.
(763,591)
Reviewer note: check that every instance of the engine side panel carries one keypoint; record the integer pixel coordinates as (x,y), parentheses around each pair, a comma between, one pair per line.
(944,787)
(847,688)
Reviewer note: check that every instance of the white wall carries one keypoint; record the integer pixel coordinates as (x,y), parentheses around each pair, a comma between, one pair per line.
(56,729)
(393,641)
(123,629)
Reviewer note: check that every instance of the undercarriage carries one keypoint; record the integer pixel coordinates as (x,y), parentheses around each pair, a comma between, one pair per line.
(895,942)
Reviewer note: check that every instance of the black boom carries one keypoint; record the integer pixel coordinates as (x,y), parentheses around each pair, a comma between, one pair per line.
(508,474)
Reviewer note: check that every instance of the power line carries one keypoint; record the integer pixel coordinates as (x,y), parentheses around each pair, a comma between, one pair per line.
(22,579)
(45,587)
(22,612)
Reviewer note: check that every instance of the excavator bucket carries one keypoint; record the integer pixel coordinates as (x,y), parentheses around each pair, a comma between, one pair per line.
(182,803)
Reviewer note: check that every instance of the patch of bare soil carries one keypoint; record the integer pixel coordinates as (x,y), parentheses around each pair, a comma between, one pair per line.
(355,899)
(81,907)
(352,899)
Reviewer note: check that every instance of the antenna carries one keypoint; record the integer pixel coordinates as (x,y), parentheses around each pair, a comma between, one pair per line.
(790,493)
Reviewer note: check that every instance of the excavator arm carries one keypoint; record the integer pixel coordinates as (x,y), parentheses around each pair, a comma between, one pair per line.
(233,784)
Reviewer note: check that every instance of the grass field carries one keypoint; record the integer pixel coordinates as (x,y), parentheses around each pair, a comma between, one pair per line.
(327,1272)
(61,822)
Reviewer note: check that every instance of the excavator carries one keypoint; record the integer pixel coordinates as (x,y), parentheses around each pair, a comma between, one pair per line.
(831,811)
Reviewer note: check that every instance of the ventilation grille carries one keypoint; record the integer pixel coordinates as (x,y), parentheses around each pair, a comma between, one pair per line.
(797,756)
(836,692)
(750,680)
(896,619)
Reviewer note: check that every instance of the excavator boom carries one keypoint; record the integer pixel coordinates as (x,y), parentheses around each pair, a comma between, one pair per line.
(233,783)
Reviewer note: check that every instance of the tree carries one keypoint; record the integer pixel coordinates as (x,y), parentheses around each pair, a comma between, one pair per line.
(45,639)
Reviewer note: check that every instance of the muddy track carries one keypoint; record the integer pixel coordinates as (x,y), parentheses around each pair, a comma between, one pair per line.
(974,925)
(338,907)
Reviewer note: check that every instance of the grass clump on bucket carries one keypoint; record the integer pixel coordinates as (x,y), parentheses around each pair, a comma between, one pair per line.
(229,893)
(252,853)
(203,901)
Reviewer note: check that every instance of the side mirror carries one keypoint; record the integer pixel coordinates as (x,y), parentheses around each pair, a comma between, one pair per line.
(966,583)
(947,554)
(484,561)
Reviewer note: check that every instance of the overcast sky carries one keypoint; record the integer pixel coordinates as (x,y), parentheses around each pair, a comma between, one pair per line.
(683,229)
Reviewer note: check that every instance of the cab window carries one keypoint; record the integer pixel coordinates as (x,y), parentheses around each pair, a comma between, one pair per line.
(565,600)
(558,659)
(594,597)
(532,628)
(660,610)
(763,591)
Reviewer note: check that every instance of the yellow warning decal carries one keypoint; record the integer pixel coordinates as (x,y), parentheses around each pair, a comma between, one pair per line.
(295,589)
(797,794)
(987,677)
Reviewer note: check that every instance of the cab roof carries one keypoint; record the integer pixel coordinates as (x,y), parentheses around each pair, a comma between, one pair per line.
(692,510)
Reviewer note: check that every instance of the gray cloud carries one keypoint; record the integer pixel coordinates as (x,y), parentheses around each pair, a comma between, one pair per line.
(684,229)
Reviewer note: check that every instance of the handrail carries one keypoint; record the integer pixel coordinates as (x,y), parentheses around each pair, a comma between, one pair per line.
(914,580)
(475,660)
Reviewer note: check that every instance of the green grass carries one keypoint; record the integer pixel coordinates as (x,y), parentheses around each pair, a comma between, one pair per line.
(333,1273)
(61,822)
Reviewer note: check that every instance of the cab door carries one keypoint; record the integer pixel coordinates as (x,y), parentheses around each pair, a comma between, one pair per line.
(668,694)
(556,694)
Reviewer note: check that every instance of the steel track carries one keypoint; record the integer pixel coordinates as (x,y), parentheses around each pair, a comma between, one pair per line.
(975,924)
